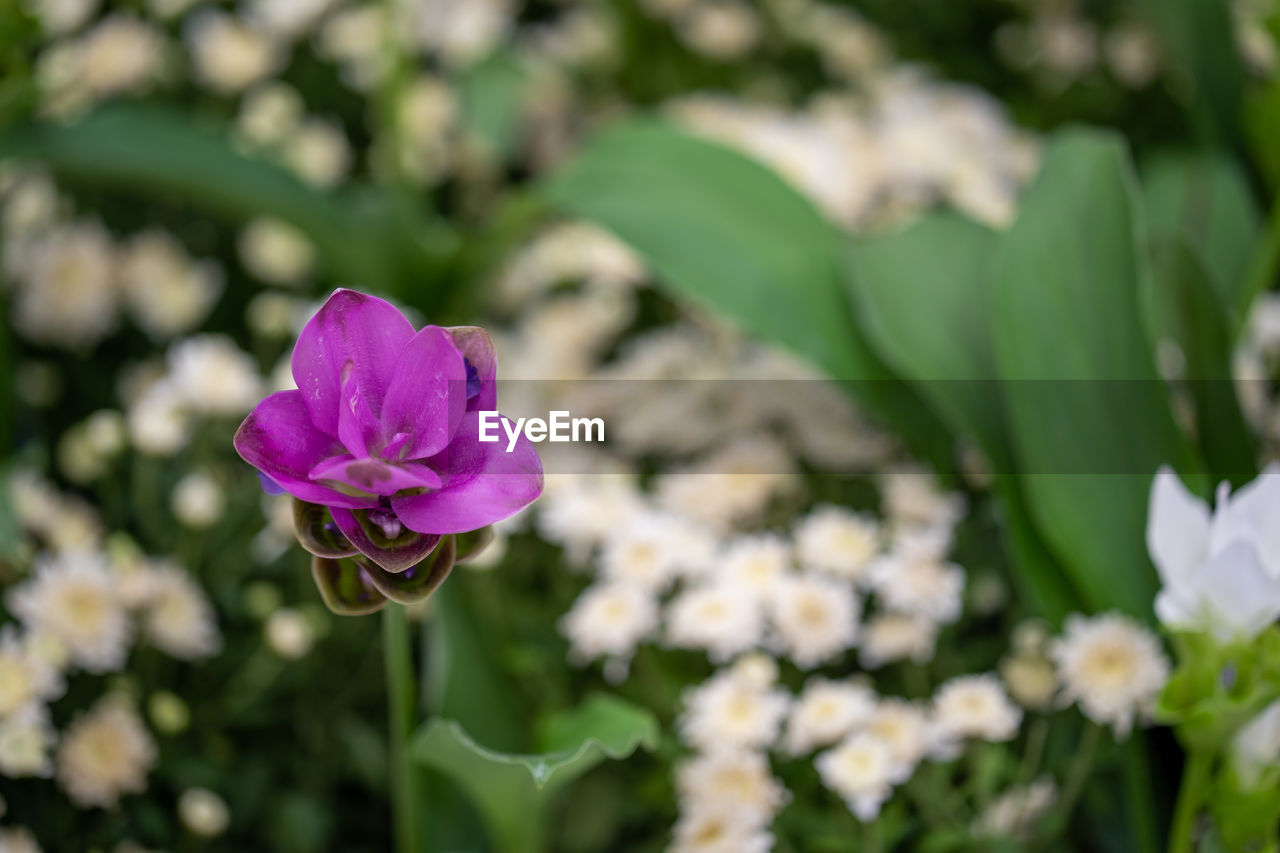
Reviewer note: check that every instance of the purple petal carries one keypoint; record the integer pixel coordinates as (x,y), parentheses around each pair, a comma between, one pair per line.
(269,485)
(482,484)
(427,395)
(353,329)
(374,476)
(279,440)
(358,429)
(477,348)
(394,553)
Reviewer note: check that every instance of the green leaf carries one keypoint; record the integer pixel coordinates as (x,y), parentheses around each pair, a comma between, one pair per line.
(943,262)
(1205,199)
(1089,418)
(513,791)
(731,235)
(491,93)
(1199,37)
(1184,311)
(360,237)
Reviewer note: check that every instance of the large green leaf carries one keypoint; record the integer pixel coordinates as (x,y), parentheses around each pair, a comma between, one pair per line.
(1205,198)
(1199,37)
(1089,418)
(361,236)
(1183,311)
(943,262)
(513,791)
(731,235)
(492,93)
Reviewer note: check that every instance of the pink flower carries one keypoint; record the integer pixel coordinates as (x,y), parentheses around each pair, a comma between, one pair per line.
(384,432)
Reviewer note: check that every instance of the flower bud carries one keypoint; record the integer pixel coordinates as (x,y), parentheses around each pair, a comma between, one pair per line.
(289,634)
(203,812)
(169,713)
(1031,680)
(197,500)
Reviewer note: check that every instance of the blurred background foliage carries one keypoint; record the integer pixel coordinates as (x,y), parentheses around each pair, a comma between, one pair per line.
(962,328)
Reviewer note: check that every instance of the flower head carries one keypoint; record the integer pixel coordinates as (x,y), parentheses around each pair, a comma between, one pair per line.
(1112,667)
(382,431)
(1220,572)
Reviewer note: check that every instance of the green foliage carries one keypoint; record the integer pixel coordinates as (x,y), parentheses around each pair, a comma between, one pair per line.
(943,262)
(514,791)
(1184,310)
(1205,199)
(381,240)
(729,234)
(1090,419)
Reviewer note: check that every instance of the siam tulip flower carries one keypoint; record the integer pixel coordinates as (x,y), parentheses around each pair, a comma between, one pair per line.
(380,448)
(1221,572)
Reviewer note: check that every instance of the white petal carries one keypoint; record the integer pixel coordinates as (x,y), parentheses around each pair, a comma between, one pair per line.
(1254,514)
(1243,597)
(1177,528)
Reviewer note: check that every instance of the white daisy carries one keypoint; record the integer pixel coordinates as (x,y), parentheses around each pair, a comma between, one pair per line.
(755,563)
(918,586)
(862,771)
(888,637)
(826,712)
(609,619)
(739,780)
(25,679)
(722,619)
(836,540)
(72,597)
(974,706)
(1112,667)
(814,618)
(728,712)
(105,753)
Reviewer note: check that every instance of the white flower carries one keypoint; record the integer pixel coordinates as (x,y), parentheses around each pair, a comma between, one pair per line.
(975,706)
(737,780)
(1014,813)
(814,618)
(276,252)
(62,16)
(268,115)
(1256,746)
(905,727)
(755,563)
(642,553)
(289,634)
(719,618)
(287,18)
(609,620)
(66,293)
(166,292)
(1221,574)
(914,499)
(826,712)
(197,500)
(833,539)
(229,55)
(1112,667)
(213,376)
(720,29)
(25,679)
(888,637)
(18,839)
(730,712)
(318,152)
(72,598)
(718,830)
(25,740)
(176,616)
(919,585)
(120,54)
(862,771)
(105,753)
(158,422)
(203,812)
(458,30)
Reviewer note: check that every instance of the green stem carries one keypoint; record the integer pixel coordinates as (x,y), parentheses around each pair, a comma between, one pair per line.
(1191,795)
(1034,752)
(402,707)
(1081,767)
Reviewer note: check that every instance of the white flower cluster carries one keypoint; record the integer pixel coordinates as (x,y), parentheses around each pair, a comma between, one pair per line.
(71,280)
(81,609)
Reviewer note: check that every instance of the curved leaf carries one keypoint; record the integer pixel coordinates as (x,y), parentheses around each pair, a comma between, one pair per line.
(728,233)
(513,791)
(1090,419)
